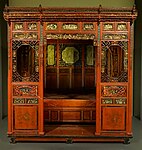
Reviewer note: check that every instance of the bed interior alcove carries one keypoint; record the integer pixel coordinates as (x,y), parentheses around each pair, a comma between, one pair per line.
(69,81)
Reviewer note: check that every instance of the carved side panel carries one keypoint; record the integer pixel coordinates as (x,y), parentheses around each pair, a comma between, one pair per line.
(113,118)
(25,117)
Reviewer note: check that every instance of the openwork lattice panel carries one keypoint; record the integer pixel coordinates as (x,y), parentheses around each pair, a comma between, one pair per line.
(25,61)
(114,61)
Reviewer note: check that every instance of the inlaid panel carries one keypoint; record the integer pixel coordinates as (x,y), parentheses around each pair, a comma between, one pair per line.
(113,118)
(25,117)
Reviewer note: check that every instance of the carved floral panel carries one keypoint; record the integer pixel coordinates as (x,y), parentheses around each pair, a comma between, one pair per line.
(25,90)
(114,91)
(108,26)
(70,26)
(51,26)
(32,26)
(122,26)
(88,26)
(18,26)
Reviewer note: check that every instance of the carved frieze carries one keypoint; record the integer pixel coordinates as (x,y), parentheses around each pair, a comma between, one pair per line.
(21,36)
(114,36)
(71,36)
(25,90)
(70,26)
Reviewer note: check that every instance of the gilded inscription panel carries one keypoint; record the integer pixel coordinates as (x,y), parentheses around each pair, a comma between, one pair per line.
(50,55)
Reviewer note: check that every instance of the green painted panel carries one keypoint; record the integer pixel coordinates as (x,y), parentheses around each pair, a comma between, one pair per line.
(73,3)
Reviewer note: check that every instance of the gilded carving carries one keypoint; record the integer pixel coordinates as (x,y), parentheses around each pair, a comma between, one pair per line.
(14,68)
(108,26)
(51,26)
(32,36)
(107,101)
(32,26)
(88,26)
(114,91)
(71,36)
(25,101)
(25,36)
(25,90)
(32,101)
(70,26)
(120,101)
(70,55)
(19,36)
(114,36)
(121,26)
(18,26)
(19,101)
(14,53)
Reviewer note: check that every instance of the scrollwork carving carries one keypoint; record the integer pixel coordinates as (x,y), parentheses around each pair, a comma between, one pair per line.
(71,36)
(25,90)
(114,91)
